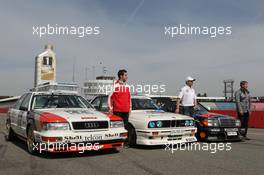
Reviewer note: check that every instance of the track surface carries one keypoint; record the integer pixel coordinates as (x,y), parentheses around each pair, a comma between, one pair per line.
(244,158)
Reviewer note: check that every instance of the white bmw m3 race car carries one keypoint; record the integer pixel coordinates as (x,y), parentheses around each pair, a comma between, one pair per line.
(62,122)
(148,125)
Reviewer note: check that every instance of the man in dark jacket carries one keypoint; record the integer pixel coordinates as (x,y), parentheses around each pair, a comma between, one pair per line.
(243,104)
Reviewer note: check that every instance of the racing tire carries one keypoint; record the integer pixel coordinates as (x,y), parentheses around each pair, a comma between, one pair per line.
(132,137)
(10,136)
(31,141)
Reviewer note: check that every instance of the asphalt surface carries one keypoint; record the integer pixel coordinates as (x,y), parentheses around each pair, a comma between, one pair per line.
(243,158)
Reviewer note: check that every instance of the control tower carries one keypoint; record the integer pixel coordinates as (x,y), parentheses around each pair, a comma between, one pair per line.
(45,66)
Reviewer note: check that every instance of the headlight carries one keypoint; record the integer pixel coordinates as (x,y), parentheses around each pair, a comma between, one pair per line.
(213,122)
(55,126)
(155,124)
(238,123)
(116,124)
(152,124)
(189,123)
(159,124)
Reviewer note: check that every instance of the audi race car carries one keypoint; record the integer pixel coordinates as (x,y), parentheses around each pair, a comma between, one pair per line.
(148,125)
(60,121)
(211,126)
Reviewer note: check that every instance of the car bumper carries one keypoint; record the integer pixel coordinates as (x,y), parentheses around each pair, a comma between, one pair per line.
(82,146)
(168,136)
(70,141)
(220,134)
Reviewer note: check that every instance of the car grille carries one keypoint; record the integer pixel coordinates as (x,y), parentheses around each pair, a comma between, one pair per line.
(227,123)
(90,125)
(173,123)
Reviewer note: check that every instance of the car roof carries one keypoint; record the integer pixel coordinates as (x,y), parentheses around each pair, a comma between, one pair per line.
(54,92)
(133,96)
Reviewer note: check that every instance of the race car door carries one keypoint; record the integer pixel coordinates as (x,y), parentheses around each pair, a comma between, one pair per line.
(22,116)
(14,111)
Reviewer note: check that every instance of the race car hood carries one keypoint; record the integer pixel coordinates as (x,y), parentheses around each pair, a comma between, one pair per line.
(73,115)
(158,115)
(213,115)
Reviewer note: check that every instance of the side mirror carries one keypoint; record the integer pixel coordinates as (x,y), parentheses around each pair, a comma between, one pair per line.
(22,108)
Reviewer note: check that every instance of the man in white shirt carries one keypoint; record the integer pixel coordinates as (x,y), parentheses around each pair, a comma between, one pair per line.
(187,98)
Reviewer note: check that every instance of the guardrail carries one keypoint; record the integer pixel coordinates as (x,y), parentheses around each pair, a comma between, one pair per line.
(3,109)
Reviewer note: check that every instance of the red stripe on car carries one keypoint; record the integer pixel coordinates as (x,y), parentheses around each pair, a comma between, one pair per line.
(114,117)
(46,117)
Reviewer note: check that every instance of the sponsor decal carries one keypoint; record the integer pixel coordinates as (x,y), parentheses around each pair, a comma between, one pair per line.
(87,117)
(72,138)
(109,135)
(78,112)
(93,137)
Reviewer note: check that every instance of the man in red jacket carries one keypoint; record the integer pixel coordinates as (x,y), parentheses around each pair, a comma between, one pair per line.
(119,101)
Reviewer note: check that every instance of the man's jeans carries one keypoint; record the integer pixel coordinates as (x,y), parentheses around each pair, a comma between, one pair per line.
(188,110)
(244,122)
(124,116)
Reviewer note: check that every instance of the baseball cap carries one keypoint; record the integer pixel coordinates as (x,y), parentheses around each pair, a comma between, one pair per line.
(189,79)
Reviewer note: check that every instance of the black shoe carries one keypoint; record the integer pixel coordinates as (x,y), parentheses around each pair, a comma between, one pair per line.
(126,146)
(246,138)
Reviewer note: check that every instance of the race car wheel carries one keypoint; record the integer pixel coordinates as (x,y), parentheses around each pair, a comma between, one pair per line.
(10,133)
(132,136)
(31,144)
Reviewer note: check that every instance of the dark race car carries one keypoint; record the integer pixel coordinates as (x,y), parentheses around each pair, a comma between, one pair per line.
(211,126)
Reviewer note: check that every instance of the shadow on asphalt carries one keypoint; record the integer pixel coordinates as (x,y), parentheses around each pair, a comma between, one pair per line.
(146,147)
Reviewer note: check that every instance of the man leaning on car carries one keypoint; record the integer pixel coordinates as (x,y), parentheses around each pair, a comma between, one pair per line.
(243,104)
(119,101)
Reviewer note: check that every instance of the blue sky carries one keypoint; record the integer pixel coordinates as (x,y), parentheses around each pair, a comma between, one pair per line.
(132,37)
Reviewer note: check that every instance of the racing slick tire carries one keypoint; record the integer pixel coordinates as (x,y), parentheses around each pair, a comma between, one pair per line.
(132,137)
(31,141)
(10,135)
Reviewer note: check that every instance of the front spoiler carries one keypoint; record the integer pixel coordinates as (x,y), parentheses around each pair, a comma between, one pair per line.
(81,146)
(68,141)
(218,134)
(166,136)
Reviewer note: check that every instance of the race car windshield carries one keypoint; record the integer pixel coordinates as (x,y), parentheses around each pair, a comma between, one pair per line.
(199,109)
(58,101)
(144,104)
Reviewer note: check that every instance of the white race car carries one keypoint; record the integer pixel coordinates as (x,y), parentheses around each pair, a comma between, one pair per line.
(62,122)
(148,125)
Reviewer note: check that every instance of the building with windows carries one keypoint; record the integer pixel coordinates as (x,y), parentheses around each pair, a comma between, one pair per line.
(101,85)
